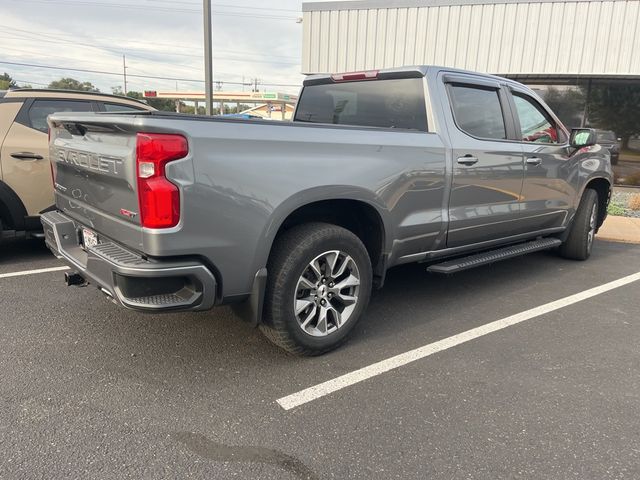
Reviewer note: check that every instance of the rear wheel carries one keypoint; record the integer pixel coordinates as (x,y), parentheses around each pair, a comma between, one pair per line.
(319,285)
(579,243)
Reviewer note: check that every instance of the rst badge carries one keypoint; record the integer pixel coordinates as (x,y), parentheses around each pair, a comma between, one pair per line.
(128,213)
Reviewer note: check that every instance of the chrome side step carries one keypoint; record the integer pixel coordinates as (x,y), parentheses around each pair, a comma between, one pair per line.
(491,256)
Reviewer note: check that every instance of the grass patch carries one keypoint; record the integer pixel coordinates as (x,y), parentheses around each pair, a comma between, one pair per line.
(616,209)
(630,156)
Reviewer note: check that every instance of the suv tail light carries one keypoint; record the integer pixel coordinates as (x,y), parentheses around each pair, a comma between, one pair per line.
(53,173)
(158,198)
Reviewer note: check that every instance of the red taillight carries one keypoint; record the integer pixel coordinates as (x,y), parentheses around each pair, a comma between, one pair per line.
(353,76)
(159,199)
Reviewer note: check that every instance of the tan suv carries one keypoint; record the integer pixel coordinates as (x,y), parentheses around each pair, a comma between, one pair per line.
(26,188)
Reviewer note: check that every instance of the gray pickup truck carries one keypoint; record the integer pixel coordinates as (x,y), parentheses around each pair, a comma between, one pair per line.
(294,223)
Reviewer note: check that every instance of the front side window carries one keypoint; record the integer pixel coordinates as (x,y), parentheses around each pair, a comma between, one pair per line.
(535,124)
(478,112)
(397,103)
(41,109)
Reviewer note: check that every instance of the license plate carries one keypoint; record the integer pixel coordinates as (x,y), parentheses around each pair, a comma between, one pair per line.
(89,238)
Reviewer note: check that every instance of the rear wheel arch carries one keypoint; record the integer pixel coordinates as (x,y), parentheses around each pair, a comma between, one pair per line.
(12,210)
(359,217)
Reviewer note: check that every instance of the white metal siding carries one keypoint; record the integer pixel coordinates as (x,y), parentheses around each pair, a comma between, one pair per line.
(509,38)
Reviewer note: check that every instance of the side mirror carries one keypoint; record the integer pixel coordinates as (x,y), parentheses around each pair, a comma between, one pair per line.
(583,137)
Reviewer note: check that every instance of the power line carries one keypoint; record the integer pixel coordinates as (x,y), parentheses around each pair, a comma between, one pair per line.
(136,76)
(73,39)
(229,6)
(118,51)
(103,63)
(30,82)
(159,9)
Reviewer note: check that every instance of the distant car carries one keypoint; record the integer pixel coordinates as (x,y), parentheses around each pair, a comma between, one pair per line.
(608,140)
(26,188)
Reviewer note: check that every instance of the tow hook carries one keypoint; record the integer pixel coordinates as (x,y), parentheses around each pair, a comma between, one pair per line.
(74,278)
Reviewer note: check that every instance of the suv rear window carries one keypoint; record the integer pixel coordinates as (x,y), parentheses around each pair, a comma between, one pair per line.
(41,109)
(117,107)
(397,103)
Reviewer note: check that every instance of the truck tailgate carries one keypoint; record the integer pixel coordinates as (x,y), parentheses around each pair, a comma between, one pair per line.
(93,166)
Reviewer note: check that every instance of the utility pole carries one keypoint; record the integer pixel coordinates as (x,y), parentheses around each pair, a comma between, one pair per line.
(208,59)
(124,72)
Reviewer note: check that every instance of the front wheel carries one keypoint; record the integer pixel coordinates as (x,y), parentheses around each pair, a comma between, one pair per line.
(579,243)
(319,285)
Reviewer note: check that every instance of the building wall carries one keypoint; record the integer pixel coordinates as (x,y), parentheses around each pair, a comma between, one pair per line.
(508,37)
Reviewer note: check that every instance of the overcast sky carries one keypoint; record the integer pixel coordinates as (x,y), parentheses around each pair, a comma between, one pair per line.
(159,38)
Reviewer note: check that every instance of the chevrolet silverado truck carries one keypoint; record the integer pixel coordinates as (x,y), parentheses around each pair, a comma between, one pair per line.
(295,223)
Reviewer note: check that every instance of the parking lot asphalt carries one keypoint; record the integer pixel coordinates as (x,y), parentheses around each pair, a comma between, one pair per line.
(90,390)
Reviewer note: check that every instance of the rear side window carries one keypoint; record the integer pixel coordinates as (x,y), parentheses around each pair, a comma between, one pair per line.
(397,103)
(116,107)
(41,109)
(478,112)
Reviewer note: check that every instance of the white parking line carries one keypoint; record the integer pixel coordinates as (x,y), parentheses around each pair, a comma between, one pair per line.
(31,272)
(325,388)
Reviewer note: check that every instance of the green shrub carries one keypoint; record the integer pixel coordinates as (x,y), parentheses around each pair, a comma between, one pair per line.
(616,208)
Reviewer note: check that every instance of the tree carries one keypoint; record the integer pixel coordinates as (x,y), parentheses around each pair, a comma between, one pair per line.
(73,84)
(6,82)
(615,107)
(164,104)
(567,104)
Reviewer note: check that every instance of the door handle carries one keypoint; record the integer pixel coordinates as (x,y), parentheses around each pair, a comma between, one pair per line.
(27,156)
(467,160)
(535,161)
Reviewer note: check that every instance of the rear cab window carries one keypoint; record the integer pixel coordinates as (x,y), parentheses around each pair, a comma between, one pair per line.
(393,103)
(477,111)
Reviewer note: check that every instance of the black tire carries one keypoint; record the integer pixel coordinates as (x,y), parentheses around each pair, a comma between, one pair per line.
(291,256)
(579,243)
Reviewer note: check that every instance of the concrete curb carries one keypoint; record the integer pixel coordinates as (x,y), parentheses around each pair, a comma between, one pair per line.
(620,229)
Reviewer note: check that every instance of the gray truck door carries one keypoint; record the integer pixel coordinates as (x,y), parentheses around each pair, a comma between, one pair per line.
(547,192)
(487,168)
